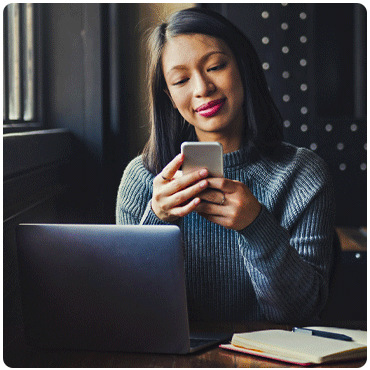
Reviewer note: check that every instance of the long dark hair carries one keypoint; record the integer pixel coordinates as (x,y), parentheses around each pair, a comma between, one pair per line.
(168,128)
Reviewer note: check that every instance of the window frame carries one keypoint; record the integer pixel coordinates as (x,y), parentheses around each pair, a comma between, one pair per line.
(37,123)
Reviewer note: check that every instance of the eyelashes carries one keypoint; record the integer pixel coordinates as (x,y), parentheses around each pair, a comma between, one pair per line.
(181,82)
(217,68)
(212,69)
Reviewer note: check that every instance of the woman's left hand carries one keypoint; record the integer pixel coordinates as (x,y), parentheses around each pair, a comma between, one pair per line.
(228,203)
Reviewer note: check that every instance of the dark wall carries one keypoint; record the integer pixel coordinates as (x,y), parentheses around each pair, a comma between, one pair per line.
(69,172)
(85,81)
(314,57)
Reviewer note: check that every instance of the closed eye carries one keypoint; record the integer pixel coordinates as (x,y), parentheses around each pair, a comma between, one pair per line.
(181,82)
(216,68)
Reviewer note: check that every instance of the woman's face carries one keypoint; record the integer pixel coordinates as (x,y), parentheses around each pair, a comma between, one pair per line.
(204,84)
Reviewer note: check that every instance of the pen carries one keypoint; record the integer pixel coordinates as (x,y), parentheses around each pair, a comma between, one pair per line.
(324,334)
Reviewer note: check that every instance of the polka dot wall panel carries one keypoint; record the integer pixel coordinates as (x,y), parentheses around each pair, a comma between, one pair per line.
(314,59)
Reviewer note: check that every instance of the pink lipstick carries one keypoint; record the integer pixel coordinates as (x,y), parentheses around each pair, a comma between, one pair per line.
(211,108)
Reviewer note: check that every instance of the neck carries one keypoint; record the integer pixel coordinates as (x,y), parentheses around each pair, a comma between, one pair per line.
(230,143)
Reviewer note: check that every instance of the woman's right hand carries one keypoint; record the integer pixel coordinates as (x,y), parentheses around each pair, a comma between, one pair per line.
(175,196)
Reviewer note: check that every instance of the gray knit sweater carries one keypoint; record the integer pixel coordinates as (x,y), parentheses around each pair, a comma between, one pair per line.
(278,267)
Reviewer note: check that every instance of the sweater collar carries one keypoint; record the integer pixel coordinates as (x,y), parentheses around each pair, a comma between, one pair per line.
(243,156)
(233,159)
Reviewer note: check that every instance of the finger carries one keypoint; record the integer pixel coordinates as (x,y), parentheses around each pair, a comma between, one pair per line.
(211,209)
(186,180)
(177,174)
(222,184)
(183,196)
(170,169)
(186,209)
(213,196)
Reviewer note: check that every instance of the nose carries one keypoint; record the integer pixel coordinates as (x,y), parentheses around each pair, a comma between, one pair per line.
(203,86)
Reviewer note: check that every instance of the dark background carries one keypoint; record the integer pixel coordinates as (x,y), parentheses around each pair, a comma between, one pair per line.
(91,109)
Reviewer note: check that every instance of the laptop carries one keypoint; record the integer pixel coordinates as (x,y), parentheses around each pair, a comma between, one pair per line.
(106,288)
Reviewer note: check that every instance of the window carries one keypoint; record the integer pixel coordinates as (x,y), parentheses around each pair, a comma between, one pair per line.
(21,67)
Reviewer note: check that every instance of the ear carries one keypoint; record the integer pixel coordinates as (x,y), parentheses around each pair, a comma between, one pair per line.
(169,95)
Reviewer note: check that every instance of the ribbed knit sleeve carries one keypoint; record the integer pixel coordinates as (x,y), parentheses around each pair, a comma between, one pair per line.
(133,204)
(288,255)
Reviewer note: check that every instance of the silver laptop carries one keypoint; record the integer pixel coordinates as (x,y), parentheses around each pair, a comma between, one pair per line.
(105,287)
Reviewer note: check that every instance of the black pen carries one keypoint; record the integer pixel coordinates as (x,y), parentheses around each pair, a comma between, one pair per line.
(324,334)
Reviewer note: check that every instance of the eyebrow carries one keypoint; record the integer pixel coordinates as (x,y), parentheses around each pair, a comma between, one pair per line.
(204,57)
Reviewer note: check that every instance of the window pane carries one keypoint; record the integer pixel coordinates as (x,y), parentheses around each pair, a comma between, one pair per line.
(14,70)
(29,64)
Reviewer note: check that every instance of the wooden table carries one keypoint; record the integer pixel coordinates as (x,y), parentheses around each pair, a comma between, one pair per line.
(352,239)
(18,354)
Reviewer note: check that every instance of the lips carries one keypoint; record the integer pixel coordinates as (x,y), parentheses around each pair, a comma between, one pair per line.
(211,108)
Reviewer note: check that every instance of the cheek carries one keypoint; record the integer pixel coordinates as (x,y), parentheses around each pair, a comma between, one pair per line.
(237,87)
(181,99)
(239,93)
(231,82)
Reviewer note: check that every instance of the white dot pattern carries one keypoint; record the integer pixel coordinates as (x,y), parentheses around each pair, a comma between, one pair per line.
(286,42)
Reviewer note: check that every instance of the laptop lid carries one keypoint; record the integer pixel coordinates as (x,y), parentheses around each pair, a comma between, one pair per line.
(103,287)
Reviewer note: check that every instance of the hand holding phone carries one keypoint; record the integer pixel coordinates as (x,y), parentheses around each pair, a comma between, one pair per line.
(176,196)
(224,201)
(200,155)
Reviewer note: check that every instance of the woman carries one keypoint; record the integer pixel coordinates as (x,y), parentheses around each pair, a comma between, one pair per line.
(258,242)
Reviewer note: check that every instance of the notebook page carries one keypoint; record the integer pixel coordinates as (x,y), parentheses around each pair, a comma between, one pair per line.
(297,345)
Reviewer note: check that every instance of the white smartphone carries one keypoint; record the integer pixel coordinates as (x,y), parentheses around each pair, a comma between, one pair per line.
(200,155)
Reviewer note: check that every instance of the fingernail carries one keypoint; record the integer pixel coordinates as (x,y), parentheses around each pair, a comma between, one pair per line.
(203,172)
(196,200)
(203,184)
